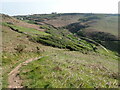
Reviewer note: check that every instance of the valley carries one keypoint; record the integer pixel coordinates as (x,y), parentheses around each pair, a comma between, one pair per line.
(76,50)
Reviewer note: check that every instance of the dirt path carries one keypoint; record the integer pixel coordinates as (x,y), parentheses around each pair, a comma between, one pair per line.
(13,77)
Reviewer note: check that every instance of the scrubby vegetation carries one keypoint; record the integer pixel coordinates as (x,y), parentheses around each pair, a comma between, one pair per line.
(106,39)
(83,27)
(61,43)
(75,27)
(64,69)
(58,38)
(89,18)
(16,49)
(71,56)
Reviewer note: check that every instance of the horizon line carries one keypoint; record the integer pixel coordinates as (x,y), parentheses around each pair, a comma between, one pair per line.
(59,13)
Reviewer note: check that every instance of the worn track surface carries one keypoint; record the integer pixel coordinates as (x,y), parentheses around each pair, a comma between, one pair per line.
(13,77)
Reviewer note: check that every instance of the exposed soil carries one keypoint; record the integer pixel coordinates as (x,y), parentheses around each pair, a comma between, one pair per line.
(13,77)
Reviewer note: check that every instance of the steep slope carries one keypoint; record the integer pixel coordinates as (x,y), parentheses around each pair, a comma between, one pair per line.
(6,18)
(16,47)
(106,24)
(62,67)
(99,22)
(101,28)
(53,37)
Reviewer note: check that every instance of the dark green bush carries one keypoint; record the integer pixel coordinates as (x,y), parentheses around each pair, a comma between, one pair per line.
(60,43)
(75,27)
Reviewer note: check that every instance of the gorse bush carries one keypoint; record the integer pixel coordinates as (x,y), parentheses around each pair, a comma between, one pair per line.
(20,48)
(62,38)
(106,39)
(75,27)
(61,43)
(103,36)
(54,37)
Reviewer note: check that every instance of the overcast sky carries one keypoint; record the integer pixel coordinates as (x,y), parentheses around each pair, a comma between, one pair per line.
(23,7)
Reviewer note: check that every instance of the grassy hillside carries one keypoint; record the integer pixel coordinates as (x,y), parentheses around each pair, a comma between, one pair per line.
(56,20)
(103,22)
(106,24)
(55,38)
(16,48)
(65,69)
(102,28)
(68,61)
(13,43)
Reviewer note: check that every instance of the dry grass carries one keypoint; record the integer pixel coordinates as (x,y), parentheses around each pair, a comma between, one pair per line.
(20,23)
(66,69)
(64,20)
(60,68)
(106,24)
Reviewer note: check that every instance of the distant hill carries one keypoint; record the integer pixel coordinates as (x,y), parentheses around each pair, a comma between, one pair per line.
(103,26)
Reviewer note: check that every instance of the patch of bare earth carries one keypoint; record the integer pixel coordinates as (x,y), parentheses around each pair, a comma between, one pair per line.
(13,77)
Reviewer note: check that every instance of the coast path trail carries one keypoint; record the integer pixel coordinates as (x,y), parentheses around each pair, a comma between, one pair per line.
(14,80)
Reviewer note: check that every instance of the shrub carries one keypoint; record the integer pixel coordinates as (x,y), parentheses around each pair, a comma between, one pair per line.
(20,48)
(10,23)
(60,43)
(75,27)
